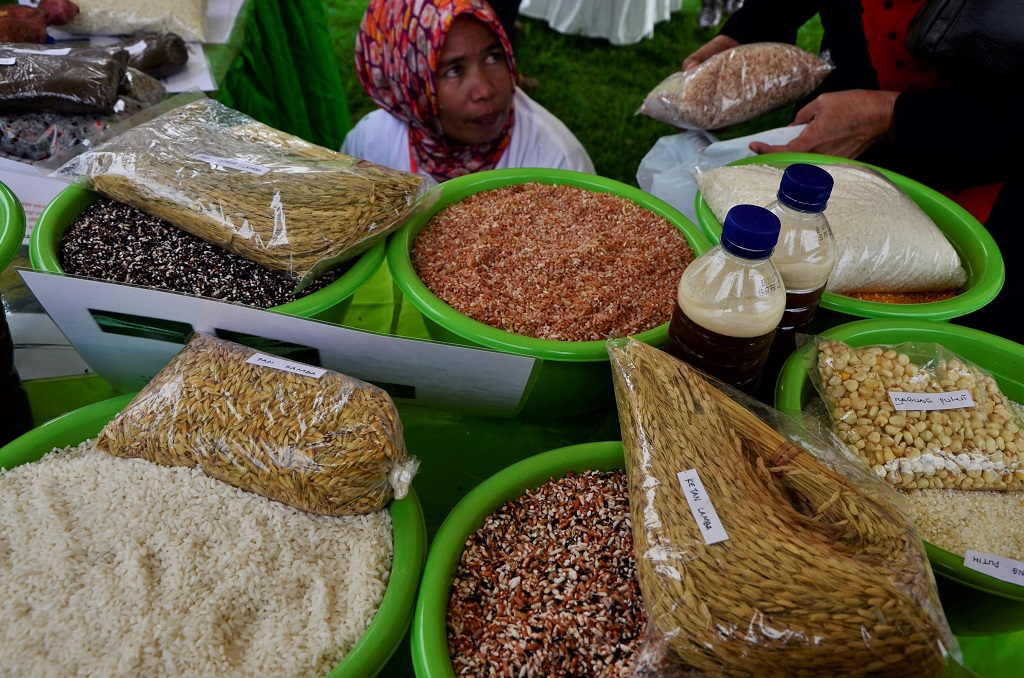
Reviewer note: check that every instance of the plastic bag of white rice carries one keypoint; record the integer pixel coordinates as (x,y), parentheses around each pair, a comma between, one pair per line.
(884,241)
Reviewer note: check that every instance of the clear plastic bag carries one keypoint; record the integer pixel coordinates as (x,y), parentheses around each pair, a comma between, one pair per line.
(763,547)
(31,137)
(977,446)
(300,435)
(884,241)
(73,80)
(736,85)
(125,17)
(268,196)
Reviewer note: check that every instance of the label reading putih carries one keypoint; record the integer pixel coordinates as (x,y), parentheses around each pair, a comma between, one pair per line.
(1006,569)
(231,163)
(711,527)
(951,400)
(279,363)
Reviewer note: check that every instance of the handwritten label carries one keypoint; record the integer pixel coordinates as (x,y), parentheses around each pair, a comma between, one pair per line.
(231,163)
(279,363)
(1005,569)
(700,506)
(950,400)
(8,61)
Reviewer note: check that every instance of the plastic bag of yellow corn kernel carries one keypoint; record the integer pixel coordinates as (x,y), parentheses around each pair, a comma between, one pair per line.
(918,414)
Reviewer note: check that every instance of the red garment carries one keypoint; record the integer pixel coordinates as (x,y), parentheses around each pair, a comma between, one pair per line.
(886,24)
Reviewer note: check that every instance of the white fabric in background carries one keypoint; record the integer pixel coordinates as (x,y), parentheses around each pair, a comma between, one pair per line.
(621,22)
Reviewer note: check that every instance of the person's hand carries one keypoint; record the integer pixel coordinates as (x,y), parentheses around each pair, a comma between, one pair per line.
(843,124)
(717,44)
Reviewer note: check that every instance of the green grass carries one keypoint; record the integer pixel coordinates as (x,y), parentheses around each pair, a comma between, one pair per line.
(594,87)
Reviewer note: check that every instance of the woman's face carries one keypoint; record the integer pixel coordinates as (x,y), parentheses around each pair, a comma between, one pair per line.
(474,83)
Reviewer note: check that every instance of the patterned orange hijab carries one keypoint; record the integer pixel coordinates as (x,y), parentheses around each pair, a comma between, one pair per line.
(397,51)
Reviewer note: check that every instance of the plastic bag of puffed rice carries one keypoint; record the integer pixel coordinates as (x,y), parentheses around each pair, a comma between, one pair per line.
(918,414)
(736,85)
(294,433)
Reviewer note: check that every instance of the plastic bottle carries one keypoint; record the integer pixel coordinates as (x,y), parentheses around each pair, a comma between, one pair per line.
(15,414)
(730,301)
(806,252)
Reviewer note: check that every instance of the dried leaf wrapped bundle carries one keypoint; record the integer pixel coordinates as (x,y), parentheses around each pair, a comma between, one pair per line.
(819,575)
(271,197)
(327,444)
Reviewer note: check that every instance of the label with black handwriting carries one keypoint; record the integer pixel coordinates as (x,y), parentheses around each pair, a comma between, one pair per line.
(950,400)
(279,363)
(1006,569)
(711,527)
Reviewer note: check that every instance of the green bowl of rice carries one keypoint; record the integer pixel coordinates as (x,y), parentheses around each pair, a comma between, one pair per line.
(551,278)
(136,566)
(975,602)
(979,255)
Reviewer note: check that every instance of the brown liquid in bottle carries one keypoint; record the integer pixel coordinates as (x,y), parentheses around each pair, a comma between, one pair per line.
(738,361)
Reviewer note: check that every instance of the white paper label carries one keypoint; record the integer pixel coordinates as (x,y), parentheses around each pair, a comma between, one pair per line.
(1006,569)
(951,400)
(8,61)
(48,52)
(279,363)
(136,49)
(240,165)
(700,506)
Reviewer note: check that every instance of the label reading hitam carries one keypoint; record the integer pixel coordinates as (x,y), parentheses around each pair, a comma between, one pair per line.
(1005,569)
(231,163)
(950,400)
(279,363)
(711,527)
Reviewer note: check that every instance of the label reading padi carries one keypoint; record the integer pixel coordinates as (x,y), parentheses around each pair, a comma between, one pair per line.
(950,400)
(1006,569)
(231,163)
(700,506)
(279,363)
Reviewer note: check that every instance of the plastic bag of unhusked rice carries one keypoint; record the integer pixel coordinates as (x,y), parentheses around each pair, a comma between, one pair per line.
(271,197)
(298,434)
(736,85)
(884,241)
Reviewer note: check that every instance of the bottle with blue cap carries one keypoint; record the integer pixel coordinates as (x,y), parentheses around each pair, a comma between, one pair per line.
(730,301)
(806,253)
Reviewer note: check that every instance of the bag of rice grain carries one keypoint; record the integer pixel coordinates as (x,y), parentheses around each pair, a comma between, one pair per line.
(301,435)
(919,415)
(124,17)
(735,86)
(884,241)
(762,549)
(268,196)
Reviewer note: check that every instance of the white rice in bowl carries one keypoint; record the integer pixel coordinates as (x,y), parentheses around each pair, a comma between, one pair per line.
(116,567)
(958,521)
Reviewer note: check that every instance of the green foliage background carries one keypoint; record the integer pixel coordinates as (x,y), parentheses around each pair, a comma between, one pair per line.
(594,87)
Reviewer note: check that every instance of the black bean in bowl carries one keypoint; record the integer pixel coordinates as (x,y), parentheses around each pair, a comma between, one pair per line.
(116,242)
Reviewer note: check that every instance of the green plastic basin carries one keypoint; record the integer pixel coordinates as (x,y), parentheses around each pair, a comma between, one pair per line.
(575,376)
(328,304)
(983,603)
(12,225)
(389,626)
(978,251)
(429,634)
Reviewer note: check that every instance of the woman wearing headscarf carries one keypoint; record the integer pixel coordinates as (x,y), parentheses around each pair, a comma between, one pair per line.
(444,76)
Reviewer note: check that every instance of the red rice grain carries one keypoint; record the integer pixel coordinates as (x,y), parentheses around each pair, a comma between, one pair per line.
(553,262)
